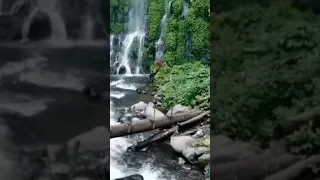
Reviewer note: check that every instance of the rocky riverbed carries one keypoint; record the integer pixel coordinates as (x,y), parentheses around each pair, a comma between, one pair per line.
(190,146)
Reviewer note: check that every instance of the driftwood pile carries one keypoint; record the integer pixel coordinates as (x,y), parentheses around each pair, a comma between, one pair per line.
(168,125)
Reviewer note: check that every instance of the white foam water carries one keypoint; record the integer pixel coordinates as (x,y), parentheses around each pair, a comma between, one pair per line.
(119,145)
(22,106)
(52,79)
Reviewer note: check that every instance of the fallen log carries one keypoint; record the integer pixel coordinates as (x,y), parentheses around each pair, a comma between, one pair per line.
(255,168)
(293,123)
(147,124)
(167,133)
(294,171)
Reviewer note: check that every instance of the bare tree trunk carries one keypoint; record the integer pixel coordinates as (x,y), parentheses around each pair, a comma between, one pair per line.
(293,123)
(167,133)
(294,171)
(251,169)
(147,124)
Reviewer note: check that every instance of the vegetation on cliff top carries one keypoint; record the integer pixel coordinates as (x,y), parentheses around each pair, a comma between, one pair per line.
(185,79)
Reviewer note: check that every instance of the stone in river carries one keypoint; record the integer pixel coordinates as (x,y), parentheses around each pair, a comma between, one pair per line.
(132,177)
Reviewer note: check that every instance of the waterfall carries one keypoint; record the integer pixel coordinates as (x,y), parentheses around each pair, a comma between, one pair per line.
(185,15)
(88,24)
(135,36)
(185,12)
(50,8)
(160,44)
(87,27)
(111,48)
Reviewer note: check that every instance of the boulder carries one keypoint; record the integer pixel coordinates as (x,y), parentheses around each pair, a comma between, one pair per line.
(152,113)
(82,178)
(132,177)
(140,105)
(150,104)
(135,119)
(201,150)
(189,153)
(53,151)
(178,109)
(233,151)
(204,160)
(180,143)
(95,140)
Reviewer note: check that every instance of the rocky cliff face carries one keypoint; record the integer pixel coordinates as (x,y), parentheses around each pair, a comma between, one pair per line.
(62,19)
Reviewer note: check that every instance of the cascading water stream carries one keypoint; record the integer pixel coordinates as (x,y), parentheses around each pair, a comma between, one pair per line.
(111,48)
(88,24)
(140,54)
(185,15)
(135,35)
(88,27)
(160,44)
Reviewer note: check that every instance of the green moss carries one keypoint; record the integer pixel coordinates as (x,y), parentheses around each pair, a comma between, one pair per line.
(203,142)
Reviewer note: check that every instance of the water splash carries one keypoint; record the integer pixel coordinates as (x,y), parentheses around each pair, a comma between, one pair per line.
(160,44)
(50,8)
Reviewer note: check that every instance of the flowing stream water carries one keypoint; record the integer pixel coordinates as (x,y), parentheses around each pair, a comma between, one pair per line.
(157,162)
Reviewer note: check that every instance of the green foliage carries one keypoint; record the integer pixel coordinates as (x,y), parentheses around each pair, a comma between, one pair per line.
(183,84)
(266,66)
(118,15)
(196,26)
(157,10)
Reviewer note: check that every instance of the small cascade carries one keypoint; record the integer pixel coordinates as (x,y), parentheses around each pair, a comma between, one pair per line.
(88,23)
(185,15)
(185,12)
(134,39)
(140,54)
(111,48)
(50,8)
(160,44)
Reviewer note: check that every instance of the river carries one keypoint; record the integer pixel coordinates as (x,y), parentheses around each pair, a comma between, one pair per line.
(158,162)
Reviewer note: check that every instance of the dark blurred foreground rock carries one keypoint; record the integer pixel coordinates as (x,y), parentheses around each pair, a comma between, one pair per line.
(84,157)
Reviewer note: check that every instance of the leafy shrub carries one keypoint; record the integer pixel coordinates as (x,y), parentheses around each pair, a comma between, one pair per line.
(266,65)
(184,84)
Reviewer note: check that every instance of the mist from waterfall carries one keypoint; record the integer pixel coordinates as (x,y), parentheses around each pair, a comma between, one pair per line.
(136,31)
(160,44)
